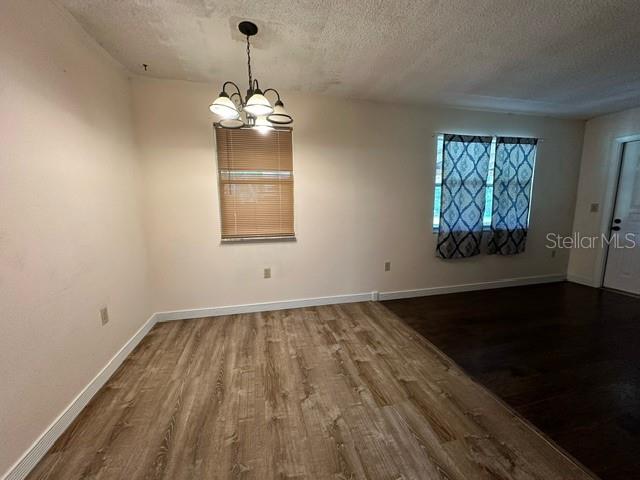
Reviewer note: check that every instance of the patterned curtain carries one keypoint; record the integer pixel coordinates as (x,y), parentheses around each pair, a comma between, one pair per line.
(465,165)
(513,174)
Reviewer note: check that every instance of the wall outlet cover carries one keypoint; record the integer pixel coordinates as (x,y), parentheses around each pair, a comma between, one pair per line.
(267,272)
(387,266)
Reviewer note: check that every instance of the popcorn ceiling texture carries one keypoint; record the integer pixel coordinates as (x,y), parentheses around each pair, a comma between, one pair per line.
(573,58)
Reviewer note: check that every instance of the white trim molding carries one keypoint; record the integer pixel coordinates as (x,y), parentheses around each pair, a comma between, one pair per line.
(469,287)
(355,297)
(40,447)
(263,307)
(614,168)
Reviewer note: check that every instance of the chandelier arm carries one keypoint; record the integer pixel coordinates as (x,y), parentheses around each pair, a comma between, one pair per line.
(272,90)
(237,94)
(224,87)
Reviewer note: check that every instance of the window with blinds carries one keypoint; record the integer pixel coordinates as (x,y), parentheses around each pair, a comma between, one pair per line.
(256,183)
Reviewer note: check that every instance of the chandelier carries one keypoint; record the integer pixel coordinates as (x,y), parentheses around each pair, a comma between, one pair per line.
(254,110)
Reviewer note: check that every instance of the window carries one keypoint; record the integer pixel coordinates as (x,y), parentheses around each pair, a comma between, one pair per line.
(482,183)
(437,201)
(255,172)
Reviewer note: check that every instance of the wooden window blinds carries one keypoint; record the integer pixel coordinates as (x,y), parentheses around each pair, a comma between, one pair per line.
(256,183)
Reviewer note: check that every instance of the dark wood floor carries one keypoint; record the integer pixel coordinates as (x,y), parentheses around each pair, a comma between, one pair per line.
(566,357)
(342,392)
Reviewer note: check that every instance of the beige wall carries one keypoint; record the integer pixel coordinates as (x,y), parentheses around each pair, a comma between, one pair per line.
(71,239)
(363,195)
(598,178)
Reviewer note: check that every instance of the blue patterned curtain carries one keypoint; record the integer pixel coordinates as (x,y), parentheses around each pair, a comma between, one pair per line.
(465,165)
(513,174)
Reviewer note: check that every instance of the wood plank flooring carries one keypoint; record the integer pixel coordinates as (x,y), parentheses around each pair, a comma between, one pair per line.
(335,392)
(564,356)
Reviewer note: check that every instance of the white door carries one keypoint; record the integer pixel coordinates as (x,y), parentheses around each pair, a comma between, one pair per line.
(623,260)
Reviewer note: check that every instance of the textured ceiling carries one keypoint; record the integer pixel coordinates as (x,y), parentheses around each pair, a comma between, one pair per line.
(574,58)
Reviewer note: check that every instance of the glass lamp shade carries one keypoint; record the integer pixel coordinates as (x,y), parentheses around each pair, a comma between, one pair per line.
(231,123)
(224,107)
(263,125)
(258,105)
(280,115)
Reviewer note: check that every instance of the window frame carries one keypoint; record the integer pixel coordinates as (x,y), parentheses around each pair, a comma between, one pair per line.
(488,203)
(253,172)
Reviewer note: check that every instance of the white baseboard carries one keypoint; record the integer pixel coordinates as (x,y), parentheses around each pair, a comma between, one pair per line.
(29,460)
(355,297)
(263,307)
(33,455)
(468,287)
(582,280)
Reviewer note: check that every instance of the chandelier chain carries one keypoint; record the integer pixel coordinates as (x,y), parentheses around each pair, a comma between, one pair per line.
(249,64)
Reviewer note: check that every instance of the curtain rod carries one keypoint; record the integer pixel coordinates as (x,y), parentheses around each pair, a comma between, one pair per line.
(435,134)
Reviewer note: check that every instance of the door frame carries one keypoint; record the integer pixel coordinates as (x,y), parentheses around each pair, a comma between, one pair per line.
(609,204)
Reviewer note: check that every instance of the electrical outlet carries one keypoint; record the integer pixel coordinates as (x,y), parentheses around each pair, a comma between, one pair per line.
(387,266)
(594,207)
(267,272)
(104,316)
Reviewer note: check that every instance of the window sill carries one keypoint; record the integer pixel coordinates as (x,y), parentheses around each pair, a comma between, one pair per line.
(283,238)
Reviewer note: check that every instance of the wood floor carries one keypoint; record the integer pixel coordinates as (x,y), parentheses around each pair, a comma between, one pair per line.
(565,356)
(335,392)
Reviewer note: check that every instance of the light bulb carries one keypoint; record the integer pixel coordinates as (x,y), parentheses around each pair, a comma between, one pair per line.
(263,125)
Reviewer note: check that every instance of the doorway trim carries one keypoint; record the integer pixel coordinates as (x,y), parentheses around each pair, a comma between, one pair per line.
(608,206)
